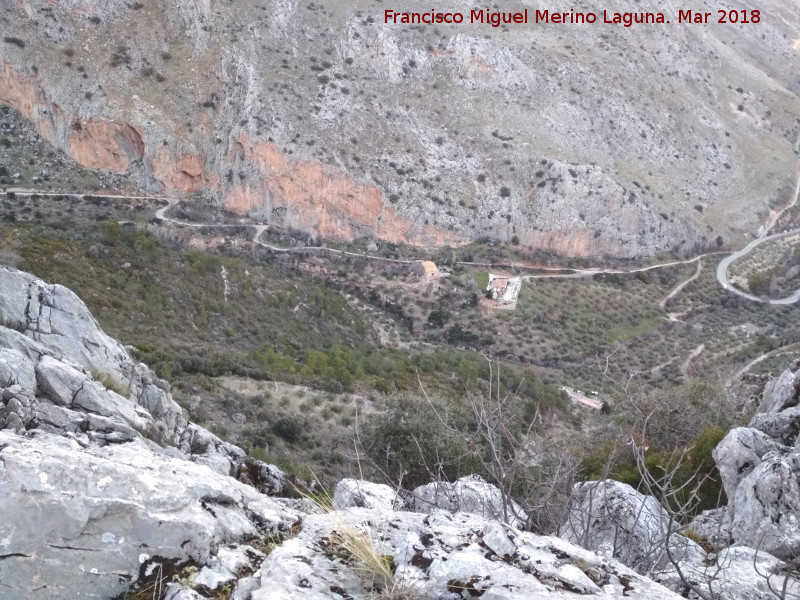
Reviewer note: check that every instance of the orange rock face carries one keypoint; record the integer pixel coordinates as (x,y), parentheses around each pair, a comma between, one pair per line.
(566,243)
(94,144)
(25,94)
(17,90)
(185,173)
(301,194)
(309,196)
(105,145)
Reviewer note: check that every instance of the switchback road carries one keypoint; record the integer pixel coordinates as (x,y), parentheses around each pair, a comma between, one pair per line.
(563,272)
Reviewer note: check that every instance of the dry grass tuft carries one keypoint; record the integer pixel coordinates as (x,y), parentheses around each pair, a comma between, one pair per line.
(110,383)
(355,544)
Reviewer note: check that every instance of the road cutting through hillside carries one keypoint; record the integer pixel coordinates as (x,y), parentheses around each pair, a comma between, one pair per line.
(725,263)
(565,272)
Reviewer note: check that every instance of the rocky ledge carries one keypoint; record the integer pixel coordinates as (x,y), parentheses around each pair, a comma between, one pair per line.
(760,469)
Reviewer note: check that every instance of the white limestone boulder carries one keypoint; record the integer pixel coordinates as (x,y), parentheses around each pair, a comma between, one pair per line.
(84,520)
(470,494)
(365,494)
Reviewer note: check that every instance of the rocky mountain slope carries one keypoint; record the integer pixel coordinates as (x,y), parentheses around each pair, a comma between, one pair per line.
(104,486)
(323,118)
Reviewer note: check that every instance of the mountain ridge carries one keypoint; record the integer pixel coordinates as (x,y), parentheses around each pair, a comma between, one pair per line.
(309,117)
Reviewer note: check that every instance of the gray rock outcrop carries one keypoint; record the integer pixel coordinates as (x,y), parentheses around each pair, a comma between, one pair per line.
(739,452)
(713,526)
(358,493)
(42,320)
(736,573)
(618,522)
(441,555)
(471,494)
(101,476)
(62,374)
(81,519)
(760,468)
(780,393)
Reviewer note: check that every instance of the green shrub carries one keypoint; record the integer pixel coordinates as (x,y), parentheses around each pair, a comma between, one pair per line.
(288,428)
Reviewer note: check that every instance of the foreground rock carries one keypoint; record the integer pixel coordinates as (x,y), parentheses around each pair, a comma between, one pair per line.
(713,526)
(103,481)
(60,373)
(616,521)
(760,467)
(365,494)
(88,521)
(470,494)
(440,555)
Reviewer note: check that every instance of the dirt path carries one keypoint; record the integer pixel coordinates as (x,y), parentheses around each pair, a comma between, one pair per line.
(578,273)
(688,362)
(763,236)
(777,352)
(161,215)
(571,273)
(681,285)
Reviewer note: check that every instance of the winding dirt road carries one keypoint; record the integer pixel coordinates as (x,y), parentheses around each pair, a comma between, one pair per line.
(564,272)
(259,229)
(763,236)
(681,285)
(577,273)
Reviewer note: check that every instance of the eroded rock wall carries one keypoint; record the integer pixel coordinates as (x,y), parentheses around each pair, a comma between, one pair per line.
(342,126)
(760,467)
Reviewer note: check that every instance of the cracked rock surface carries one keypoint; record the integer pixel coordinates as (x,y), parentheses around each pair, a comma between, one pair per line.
(469,494)
(101,475)
(760,466)
(444,555)
(83,521)
(618,522)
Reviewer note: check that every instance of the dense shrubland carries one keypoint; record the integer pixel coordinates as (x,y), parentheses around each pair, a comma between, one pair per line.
(197,315)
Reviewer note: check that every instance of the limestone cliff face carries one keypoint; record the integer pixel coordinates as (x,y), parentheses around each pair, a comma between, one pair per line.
(300,194)
(183,173)
(105,145)
(610,221)
(95,143)
(636,141)
(308,196)
(26,94)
